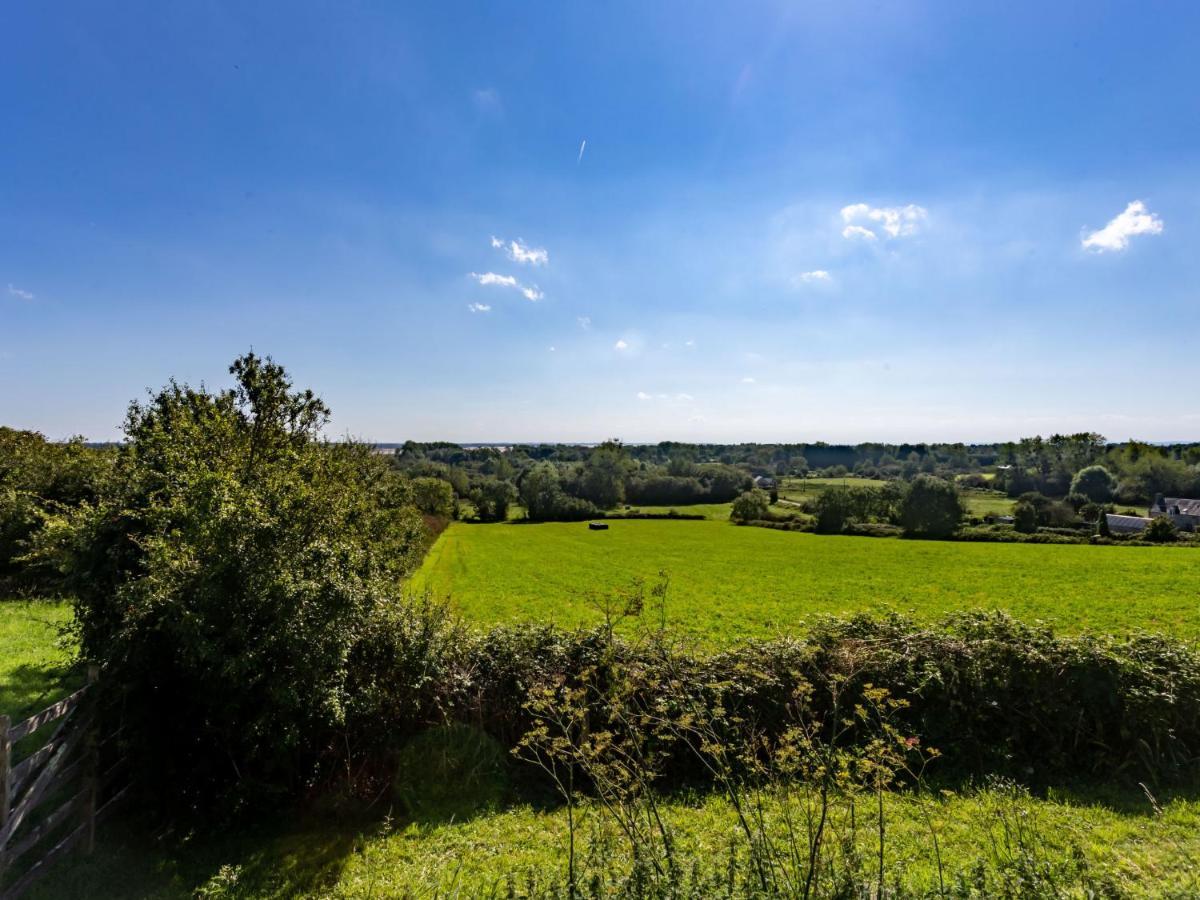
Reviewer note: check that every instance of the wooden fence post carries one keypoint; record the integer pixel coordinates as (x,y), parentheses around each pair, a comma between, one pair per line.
(91,785)
(5,780)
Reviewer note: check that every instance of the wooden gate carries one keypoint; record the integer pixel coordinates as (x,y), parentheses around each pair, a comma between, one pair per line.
(50,800)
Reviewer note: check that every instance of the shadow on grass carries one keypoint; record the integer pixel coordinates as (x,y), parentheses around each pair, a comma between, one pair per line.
(282,858)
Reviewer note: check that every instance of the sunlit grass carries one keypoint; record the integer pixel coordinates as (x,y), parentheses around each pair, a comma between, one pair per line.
(730,582)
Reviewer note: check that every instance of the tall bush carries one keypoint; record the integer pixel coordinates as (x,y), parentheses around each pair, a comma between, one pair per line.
(224,580)
(931,507)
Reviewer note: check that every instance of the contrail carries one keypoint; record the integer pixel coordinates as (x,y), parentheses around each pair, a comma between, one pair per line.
(582,147)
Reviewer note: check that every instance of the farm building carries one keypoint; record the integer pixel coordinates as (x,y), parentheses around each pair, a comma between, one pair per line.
(765,482)
(1183,512)
(1126,524)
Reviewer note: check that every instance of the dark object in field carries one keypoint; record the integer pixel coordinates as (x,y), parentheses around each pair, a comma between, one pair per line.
(597,526)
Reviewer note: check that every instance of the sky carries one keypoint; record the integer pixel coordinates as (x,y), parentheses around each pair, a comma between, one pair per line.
(566,221)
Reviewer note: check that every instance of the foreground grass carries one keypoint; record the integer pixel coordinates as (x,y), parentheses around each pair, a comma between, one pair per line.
(34,669)
(730,582)
(455,850)
(1134,851)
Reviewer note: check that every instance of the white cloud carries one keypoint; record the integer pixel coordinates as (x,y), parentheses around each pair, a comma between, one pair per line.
(478,307)
(582,147)
(585,322)
(520,252)
(894,221)
(620,345)
(679,398)
(816,276)
(689,343)
(493,278)
(748,380)
(1136,219)
(18,293)
(552,349)
(857,231)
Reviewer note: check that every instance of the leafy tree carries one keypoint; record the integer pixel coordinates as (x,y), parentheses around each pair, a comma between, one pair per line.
(546,501)
(603,481)
(1025,516)
(433,497)
(1096,483)
(931,507)
(752,506)
(224,578)
(39,479)
(492,498)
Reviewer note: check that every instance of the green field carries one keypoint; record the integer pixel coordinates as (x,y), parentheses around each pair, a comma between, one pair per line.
(33,659)
(730,582)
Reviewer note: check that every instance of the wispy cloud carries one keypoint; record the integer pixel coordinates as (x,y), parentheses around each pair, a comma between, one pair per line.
(493,278)
(893,221)
(621,345)
(678,398)
(585,322)
(1136,219)
(487,100)
(816,276)
(857,231)
(479,307)
(520,252)
(530,293)
(582,147)
(18,293)
(748,380)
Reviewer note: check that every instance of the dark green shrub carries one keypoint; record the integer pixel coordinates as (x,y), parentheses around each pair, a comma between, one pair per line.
(492,498)
(750,506)
(1025,517)
(1161,530)
(931,507)
(226,577)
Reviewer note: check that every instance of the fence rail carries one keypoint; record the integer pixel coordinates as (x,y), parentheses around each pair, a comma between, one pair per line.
(49,800)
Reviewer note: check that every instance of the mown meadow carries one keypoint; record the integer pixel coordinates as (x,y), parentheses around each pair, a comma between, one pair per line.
(730,582)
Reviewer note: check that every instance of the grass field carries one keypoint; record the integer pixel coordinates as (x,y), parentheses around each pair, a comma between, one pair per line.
(33,660)
(730,582)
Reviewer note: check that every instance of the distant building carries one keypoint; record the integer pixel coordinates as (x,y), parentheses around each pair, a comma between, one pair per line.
(1125,524)
(1184,513)
(765,483)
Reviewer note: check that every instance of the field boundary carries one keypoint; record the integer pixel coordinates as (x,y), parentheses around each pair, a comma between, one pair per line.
(37,824)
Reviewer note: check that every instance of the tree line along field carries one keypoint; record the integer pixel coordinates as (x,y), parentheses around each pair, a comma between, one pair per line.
(730,582)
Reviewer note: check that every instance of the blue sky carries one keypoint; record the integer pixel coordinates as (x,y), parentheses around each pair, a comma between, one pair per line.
(790,221)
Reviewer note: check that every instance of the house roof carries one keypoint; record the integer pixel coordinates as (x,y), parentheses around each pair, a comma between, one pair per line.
(1187,506)
(1126,523)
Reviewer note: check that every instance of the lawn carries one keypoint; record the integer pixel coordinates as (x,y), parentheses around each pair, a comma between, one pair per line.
(730,582)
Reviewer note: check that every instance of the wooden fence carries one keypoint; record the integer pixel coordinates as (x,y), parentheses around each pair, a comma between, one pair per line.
(50,801)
